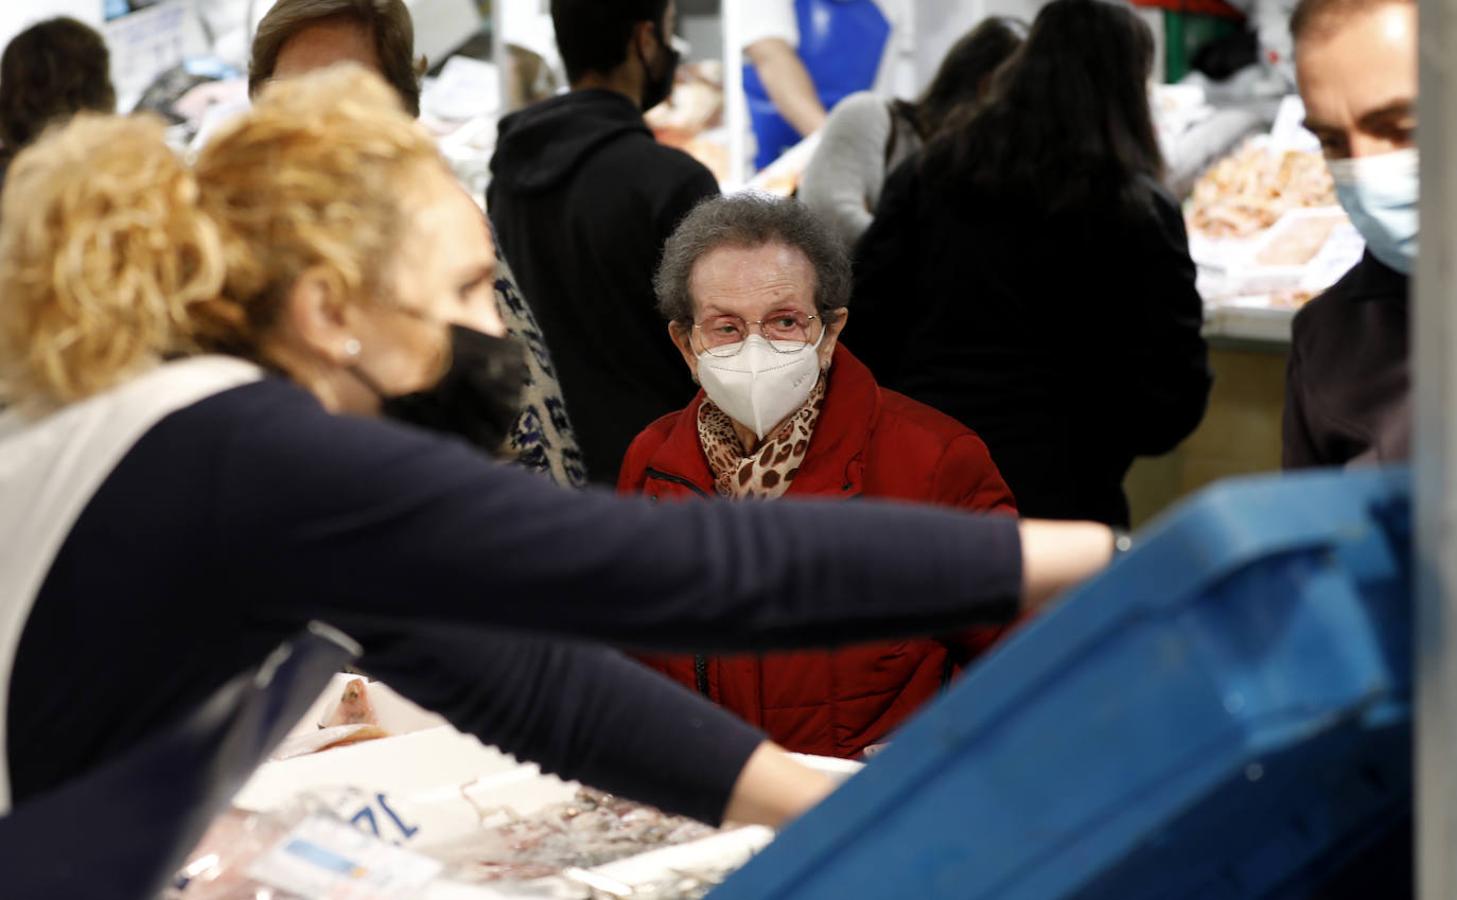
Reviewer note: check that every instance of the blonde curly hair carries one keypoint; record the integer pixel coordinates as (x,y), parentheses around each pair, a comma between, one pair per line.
(317,174)
(104,254)
(114,256)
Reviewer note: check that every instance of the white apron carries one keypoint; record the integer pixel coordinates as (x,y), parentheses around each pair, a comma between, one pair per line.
(51,467)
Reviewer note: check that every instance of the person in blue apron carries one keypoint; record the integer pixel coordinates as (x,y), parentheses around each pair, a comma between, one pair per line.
(804,56)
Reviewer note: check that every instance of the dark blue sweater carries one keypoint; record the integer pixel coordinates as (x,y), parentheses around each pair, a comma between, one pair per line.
(235,521)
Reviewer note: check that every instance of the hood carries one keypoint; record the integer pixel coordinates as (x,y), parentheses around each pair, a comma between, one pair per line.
(541,146)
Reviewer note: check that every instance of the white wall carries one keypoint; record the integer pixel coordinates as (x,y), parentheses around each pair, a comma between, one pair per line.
(15,16)
(941,23)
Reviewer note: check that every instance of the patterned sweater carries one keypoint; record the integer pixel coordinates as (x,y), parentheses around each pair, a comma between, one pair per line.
(543,439)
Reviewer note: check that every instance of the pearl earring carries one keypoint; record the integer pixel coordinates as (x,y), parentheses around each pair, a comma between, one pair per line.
(351,348)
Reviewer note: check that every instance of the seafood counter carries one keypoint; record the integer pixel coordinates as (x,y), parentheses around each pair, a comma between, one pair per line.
(372,798)
(1267,233)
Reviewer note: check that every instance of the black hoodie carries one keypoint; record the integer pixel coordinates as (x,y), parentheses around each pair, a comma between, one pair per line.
(583,199)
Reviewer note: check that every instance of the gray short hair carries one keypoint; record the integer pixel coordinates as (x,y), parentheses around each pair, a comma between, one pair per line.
(751,220)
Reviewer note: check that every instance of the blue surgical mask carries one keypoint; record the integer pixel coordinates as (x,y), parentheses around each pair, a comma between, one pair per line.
(1380,193)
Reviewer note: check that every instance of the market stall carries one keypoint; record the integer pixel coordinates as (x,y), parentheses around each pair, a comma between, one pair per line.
(372,792)
(419,809)
(1268,236)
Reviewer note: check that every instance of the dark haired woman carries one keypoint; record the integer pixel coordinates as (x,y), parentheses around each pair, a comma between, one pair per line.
(1030,278)
(866,137)
(50,72)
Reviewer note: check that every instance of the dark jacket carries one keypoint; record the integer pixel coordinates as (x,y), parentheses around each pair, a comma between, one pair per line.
(1070,343)
(868,443)
(583,199)
(1347,397)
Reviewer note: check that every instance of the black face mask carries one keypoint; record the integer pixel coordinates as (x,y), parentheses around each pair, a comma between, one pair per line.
(478,399)
(657,87)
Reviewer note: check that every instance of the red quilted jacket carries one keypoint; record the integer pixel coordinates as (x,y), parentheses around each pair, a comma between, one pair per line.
(869,442)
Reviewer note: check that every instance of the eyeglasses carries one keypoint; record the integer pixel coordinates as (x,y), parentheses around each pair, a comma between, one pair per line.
(787,331)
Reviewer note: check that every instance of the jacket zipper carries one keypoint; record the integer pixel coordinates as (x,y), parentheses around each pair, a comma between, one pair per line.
(700,673)
(675,479)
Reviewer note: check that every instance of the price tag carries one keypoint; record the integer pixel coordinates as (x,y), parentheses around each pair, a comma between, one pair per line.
(324,859)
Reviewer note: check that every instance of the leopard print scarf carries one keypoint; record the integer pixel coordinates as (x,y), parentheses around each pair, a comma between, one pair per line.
(767,473)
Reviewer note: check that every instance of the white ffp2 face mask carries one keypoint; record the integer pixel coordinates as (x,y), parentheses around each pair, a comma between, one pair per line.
(1380,194)
(760,386)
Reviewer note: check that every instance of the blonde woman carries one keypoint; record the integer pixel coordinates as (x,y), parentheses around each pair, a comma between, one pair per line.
(171,519)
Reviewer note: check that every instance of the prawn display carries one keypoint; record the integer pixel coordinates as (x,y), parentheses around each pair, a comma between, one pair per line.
(1250,190)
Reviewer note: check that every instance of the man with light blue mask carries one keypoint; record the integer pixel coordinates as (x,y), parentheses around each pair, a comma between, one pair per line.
(1348,392)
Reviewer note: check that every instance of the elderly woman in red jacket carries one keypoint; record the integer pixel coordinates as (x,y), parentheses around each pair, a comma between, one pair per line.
(755,292)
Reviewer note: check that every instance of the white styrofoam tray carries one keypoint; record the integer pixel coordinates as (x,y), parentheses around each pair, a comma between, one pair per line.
(429,784)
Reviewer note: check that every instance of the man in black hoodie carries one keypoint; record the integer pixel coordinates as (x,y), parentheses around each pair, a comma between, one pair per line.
(583,199)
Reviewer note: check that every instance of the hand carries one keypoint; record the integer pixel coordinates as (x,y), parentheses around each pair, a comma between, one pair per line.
(1059,555)
(773,789)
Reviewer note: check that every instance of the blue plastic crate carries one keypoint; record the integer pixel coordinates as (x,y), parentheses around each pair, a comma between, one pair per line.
(1224,713)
